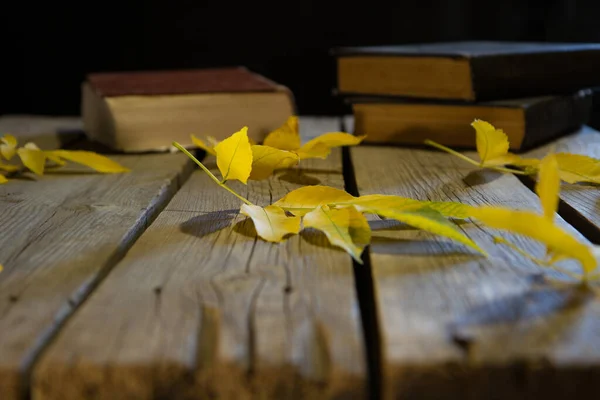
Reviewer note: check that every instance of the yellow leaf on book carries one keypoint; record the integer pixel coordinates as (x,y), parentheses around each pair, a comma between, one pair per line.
(8,146)
(539,228)
(271,222)
(286,137)
(200,143)
(345,227)
(307,198)
(548,186)
(234,157)
(574,168)
(33,158)
(90,159)
(266,159)
(321,146)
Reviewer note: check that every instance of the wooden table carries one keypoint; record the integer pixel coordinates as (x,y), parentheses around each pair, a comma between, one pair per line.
(149,285)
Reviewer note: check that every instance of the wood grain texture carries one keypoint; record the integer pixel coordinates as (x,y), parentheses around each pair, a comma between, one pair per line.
(582,199)
(61,234)
(201,308)
(457,325)
(46,132)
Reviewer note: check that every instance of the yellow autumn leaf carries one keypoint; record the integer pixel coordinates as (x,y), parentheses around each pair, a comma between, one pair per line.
(1,268)
(450,209)
(370,202)
(491,143)
(321,146)
(307,198)
(429,220)
(33,158)
(200,143)
(539,228)
(54,158)
(8,167)
(548,186)
(574,168)
(286,137)
(266,159)
(234,157)
(90,159)
(271,222)
(345,227)
(3,179)
(8,146)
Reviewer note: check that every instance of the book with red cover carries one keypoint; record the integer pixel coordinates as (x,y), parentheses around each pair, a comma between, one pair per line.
(147,110)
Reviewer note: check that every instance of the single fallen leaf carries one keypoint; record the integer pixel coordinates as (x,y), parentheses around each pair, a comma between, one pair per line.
(370,202)
(321,146)
(307,198)
(538,227)
(8,146)
(271,222)
(200,143)
(8,167)
(234,157)
(492,144)
(450,209)
(88,158)
(1,268)
(345,227)
(54,158)
(430,220)
(548,186)
(575,168)
(266,159)
(3,179)
(286,137)
(33,158)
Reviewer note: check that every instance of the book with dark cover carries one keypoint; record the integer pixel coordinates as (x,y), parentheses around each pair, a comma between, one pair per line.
(148,110)
(468,71)
(528,122)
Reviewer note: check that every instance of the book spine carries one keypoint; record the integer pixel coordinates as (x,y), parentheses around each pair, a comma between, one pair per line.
(557,116)
(498,77)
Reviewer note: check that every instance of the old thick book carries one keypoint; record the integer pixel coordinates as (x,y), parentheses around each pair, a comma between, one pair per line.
(528,122)
(468,71)
(148,110)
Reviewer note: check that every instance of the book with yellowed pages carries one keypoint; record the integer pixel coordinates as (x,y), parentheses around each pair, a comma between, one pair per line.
(528,122)
(148,110)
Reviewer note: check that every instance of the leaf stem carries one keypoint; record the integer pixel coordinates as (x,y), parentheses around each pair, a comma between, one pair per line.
(453,152)
(471,161)
(214,178)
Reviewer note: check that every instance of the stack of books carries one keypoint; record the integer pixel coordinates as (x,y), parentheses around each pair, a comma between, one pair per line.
(405,94)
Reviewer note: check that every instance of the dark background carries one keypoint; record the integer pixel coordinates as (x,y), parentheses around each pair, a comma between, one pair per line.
(48,48)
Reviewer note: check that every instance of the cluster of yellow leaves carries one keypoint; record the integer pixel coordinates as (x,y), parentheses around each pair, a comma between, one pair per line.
(282,148)
(339,215)
(559,243)
(36,160)
(492,148)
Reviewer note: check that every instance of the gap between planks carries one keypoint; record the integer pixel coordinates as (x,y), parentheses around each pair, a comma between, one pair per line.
(455,325)
(200,307)
(67,230)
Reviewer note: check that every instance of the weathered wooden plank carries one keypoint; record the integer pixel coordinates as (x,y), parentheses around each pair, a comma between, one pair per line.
(457,325)
(199,308)
(46,132)
(60,235)
(582,200)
